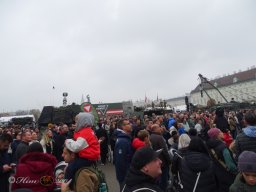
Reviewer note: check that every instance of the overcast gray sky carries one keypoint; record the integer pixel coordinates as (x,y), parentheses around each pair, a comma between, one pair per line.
(116,50)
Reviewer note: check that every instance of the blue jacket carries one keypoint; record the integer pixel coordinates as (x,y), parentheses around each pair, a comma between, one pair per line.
(122,155)
(171,122)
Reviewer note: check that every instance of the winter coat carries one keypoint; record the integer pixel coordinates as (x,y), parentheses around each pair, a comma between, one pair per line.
(246,140)
(14,146)
(84,130)
(22,149)
(102,133)
(224,178)
(123,153)
(86,181)
(240,185)
(33,166)
(176,161)
(191,165)
(4,176)
(158,142)
(74,166)
(58,144)
(137,143)
(92,152)
(136,180)
(221,123)
(171,122)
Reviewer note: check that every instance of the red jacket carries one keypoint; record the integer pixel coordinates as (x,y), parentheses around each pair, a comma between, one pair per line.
(92,152)
(31,168)
(227,139)
(137,143)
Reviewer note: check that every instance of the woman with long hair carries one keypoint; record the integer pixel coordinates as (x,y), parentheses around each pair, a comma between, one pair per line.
(47,141)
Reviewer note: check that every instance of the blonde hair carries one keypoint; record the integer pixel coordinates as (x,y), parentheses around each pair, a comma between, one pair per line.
(46,138)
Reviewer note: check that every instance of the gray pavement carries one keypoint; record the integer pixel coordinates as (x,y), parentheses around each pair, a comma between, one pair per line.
(109,170)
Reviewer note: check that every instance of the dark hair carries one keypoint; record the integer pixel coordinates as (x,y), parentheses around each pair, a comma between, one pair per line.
(250,118)
(35,147)
(6,137)
(196,144)
(23,134)
(121,123)
(192,132)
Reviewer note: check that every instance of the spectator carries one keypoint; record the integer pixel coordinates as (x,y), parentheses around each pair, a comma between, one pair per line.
(123,150)
(145,169)
(158,142)
(85,181)
(174,139)
(35,165)
(183,144)
(15,144)
(196,168)
(22,148)
(34,138)
(141,140)
(5,168)
(86,145)
(223,162)
(246,179)
(246,140)
(47,141)
(59,141)
(102,136)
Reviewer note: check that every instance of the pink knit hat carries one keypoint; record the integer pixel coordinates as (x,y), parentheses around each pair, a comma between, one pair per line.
(213,132)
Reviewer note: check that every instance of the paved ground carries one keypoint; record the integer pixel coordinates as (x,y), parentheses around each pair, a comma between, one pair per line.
(110,174)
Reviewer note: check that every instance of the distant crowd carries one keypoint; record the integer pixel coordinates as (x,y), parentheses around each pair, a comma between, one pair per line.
(186,151)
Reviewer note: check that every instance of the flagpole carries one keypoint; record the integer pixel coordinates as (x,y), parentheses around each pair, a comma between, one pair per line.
(53,94)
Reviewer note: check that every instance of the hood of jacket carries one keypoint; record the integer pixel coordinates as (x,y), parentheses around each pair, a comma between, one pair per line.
(137,143)
(197,161)
(84,120)
(250,131)
(39,162)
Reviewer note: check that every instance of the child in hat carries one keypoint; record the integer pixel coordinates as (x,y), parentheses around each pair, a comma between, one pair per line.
(246,179)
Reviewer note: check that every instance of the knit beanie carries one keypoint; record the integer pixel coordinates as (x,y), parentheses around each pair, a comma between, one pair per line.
(144,156)
(213,133)
(247,161)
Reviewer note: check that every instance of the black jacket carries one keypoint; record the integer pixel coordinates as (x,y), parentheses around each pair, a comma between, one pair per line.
(191,165)
(224,178)
(4,176)
(176,161)
(21,150)
(246,140)
(158,142)
(136,180)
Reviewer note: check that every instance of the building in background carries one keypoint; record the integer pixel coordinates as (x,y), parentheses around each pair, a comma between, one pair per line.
(239,87)
(177,101)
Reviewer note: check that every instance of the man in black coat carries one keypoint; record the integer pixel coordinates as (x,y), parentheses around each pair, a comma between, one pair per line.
(22,148)
(5,168)
(145,168)
(158,142)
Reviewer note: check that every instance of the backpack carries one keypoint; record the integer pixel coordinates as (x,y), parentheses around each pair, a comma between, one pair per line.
(102,187)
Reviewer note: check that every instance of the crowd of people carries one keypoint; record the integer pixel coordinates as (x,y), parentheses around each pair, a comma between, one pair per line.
(186,151)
